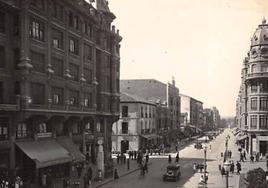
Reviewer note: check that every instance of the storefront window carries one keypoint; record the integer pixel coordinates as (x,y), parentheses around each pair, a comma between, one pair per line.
(22,131)
(3,129)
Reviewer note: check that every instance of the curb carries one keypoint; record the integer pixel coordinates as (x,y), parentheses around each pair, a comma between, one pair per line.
(122,175)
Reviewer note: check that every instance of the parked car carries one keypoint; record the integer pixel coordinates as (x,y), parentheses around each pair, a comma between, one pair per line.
(173,173)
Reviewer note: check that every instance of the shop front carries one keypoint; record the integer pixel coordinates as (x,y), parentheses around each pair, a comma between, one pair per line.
(46,162)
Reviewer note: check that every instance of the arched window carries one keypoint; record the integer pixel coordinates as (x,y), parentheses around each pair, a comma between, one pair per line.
(254,68)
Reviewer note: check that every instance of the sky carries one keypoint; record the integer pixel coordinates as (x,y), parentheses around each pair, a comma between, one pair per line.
(202,43)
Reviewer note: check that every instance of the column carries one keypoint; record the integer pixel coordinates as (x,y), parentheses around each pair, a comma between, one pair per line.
(100,157)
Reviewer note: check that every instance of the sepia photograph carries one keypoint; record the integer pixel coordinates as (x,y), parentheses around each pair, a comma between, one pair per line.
(133,93)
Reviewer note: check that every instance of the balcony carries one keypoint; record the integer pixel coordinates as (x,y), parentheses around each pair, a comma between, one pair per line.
(257,75)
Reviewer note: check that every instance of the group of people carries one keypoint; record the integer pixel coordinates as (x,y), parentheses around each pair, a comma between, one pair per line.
(177,158)
(232,168)
(17,184)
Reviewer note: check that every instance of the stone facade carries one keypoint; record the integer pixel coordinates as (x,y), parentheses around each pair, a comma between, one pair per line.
(59,77)
(252,101)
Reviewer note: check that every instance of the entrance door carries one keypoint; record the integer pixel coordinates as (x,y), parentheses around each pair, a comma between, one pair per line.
(124,146)
(263,147)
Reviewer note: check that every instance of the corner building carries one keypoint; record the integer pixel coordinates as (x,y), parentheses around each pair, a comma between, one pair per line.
(252,104)
(59,87)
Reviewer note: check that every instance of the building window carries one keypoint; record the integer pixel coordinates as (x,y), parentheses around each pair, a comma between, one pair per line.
(57,65)
(264,87)
(76,22)
(57,11)
(17,88)
(22,131)
(16,28)
(57,94)
(76,129)
(88,75)
(2,22)
(38,93)
(253,103)
(43,128)
(37,30)
(57,39)
(263,121)
(1,93)
(4,128)
(88,30)
(38,3)
(38,61)
(88,52)
(254,68)
(16,57)
(141,112)
(74,96)
(124,127)
(73,46)
(74,70)
(263,103)
(254,88)
(124,111)
(264,67)
(2,57)
(253,122)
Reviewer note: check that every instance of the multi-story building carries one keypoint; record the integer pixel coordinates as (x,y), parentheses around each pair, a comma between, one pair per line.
(165,95)
(136,128)
(59,86)
(252,102)
(208,119)
(193,109)
(216,117)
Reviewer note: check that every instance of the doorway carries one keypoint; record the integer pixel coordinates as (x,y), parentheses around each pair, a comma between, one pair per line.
(124,146)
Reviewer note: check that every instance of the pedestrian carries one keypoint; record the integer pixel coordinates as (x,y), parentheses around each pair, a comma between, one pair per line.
(230,154)
(222,171)
(128,164)
(124,158)
(219,167)
(252,158)
(257,157)
(146,167)
(232,167)
(194,167)
(176,148)
(238,167)
(116,176)
(244,154)
(169,158)
(202,180)
(135,154)
(117,158)
(241,157)
(177,158)
(147,158)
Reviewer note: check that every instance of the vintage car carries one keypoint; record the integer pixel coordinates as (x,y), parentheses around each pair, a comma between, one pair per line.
(173,173)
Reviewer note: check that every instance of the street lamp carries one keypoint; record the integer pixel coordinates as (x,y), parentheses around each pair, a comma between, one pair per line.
(226,167)
(226,149)
(205,163)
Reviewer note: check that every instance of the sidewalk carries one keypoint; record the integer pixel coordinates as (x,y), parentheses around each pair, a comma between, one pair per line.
(235,180)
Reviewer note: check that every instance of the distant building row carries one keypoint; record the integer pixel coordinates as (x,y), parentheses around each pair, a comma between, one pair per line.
(154,113)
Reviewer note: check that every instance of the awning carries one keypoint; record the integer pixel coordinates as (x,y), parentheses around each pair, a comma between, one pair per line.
(149,136)
(68,144)
(45,152)
(241,137)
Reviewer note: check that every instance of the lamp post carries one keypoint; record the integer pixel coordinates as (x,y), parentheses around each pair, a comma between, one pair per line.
(226,149)
(226,167)
(205,163)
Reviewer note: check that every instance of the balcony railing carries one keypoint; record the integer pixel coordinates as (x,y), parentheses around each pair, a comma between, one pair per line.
(257,75)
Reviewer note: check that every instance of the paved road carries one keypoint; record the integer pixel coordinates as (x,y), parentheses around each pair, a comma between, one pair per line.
(157,169)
